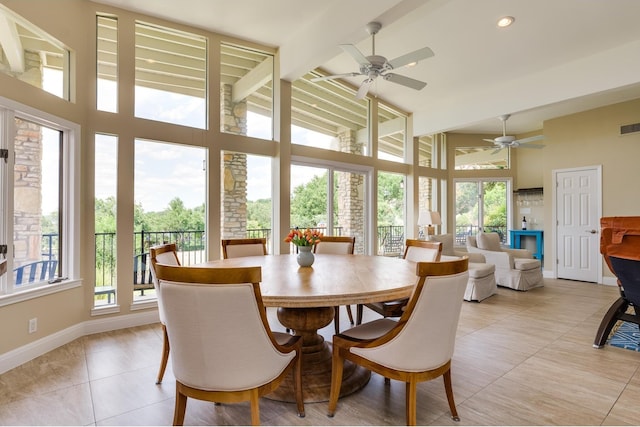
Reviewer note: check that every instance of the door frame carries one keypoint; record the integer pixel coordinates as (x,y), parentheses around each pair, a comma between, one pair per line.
(554,214)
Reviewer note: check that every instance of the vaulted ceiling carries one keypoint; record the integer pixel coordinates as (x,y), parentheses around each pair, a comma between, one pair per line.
(558,57)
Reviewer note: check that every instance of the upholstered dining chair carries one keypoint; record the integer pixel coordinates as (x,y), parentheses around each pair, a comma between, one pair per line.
(336,245)
(414,250)
(419,346)
(222,348)
(163,254)
(234,248)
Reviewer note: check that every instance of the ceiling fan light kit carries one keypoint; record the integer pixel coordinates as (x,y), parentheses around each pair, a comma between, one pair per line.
(509,141)
(374,66)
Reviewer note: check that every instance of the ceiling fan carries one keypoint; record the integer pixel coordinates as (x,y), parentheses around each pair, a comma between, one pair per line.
(374,66)
(506,141)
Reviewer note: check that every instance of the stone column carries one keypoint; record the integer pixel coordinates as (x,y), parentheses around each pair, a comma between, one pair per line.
(27,192)
(351,193)
(233,209)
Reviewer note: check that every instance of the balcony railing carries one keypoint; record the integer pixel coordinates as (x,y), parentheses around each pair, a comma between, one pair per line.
(191,250)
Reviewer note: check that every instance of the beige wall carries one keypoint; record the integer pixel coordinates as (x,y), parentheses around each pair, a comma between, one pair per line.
(592,138)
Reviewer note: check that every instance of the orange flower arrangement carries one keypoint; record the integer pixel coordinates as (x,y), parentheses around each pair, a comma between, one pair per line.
(307,237)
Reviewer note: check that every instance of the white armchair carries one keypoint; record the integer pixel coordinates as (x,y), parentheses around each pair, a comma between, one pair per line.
(482,279)
(515,268)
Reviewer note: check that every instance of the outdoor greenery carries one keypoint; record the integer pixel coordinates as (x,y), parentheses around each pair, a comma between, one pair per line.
(308,209)
(495,205)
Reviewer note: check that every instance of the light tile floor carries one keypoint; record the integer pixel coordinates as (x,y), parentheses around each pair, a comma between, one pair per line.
(521,358)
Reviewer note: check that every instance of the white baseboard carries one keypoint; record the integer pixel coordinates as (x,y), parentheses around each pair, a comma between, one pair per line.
(18,356)
(606,280)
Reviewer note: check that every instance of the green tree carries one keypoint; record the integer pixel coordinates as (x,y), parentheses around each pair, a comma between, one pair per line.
(105,215)
(309,203)
(390,199)
(259,214)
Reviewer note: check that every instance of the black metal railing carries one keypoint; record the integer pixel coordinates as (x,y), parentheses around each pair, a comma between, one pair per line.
(391,240)
(191,245)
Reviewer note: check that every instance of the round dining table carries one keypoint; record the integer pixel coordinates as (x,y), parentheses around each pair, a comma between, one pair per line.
(306,297)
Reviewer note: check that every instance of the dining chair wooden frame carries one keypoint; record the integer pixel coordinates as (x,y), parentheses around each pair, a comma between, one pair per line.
(231,248)
(395,308)
(165,254)
(171,278)
(391,330)
(350,242)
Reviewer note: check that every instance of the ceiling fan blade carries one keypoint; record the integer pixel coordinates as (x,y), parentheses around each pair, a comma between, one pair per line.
(364,88)
(415,56)
(334,76)
(404,81)
(355,54)
(489,140)
(530,139)
(530,146)
(497,150)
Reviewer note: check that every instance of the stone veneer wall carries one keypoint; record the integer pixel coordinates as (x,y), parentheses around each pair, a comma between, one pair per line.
(27,192)
(350,194)
(233,209)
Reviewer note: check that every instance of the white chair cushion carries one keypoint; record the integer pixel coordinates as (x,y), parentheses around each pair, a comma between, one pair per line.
(236,251)
(371,330)
(343,248)
(418,347)
(447,243)
(222,322)
(419,254)
(488,241)
(478,270)
(526,263)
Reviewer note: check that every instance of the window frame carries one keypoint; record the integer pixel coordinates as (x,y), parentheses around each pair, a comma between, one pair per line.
(70,206)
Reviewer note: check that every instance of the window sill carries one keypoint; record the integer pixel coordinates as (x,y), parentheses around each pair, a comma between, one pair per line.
(38,292)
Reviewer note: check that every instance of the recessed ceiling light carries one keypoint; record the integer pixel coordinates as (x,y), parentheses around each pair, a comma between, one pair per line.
(505,21)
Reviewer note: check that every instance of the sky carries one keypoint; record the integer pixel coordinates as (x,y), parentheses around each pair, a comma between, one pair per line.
(165,170)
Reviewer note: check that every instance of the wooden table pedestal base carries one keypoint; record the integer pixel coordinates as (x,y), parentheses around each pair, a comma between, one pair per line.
(316,358)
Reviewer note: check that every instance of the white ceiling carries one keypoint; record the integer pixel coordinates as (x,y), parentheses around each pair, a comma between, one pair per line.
(558,58)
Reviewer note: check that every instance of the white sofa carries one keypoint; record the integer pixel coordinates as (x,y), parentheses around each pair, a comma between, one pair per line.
(515,268)
(482,281)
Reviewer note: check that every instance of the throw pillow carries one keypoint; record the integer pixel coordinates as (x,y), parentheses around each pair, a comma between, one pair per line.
(488,241)
(447,243)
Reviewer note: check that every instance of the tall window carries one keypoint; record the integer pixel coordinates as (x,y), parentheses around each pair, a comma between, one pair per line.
(246,197)
(326,114)
(106,181)
(31,55)
(474,158)
(331,200)
(426,151)
(392,133)
(171,76)
(246,87)
(391,214)
(169,190)
(37,200)
(482,205)
(107,66)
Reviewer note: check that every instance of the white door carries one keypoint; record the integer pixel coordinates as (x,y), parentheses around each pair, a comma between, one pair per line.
(578,223)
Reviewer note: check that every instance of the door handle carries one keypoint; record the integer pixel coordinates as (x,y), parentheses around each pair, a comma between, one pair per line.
(592,231)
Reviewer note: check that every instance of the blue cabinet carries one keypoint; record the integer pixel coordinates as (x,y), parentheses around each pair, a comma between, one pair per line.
(516,240)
